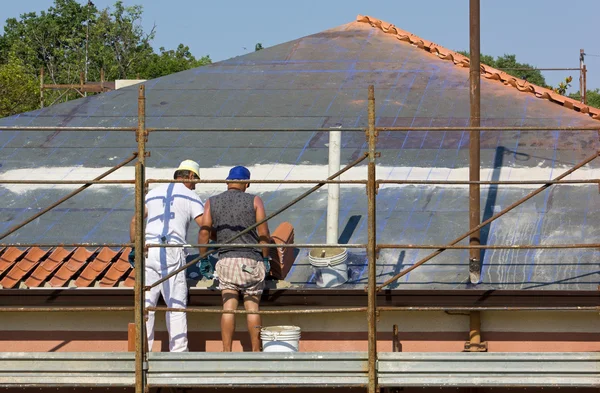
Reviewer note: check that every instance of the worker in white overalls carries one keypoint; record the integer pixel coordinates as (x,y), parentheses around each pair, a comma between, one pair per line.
(169,210)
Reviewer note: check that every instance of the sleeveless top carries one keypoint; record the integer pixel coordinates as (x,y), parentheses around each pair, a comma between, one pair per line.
(233,211)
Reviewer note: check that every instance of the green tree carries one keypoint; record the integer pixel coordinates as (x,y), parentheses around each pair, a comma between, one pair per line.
(258,47)
(118,42)
(54,40)
(592,97)
(70,38)
(18,89)
(172,61)
(509,62)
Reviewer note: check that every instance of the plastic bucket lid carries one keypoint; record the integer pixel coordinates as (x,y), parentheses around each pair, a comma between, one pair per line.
(276,333)
(327,256)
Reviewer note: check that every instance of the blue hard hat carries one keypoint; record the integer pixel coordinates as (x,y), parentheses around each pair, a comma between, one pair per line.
(239,173)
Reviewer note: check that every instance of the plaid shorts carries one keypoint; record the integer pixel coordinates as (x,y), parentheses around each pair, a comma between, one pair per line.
(244,275)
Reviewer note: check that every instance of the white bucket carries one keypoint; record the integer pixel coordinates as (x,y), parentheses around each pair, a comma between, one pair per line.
(280,338)
(330,266)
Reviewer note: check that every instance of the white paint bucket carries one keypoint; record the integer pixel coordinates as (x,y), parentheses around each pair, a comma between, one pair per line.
(330,266)
(280,338)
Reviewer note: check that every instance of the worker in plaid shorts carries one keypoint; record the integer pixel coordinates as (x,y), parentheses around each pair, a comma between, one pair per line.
(241,271)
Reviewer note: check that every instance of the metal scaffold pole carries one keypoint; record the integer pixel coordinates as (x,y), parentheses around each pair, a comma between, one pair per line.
(474,142)
(141,363)
(372,246)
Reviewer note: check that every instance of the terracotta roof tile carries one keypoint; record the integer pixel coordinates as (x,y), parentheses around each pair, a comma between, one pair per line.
(130,280)
(47,267)
(9,257)
(486,71)
(96,267)
(24,266)
(283,258)
(71,267)
(103,267)
(117,270)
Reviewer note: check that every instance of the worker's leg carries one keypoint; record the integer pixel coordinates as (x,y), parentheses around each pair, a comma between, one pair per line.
(253,320)
(175,293)
(151,296)
(230,302)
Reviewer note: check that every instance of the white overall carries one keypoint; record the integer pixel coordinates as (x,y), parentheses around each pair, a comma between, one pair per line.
(170,210)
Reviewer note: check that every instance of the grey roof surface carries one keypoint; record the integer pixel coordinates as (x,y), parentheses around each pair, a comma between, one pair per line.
(321,81)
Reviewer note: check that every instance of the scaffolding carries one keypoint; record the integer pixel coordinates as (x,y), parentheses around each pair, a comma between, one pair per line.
(82,88)
(153,370)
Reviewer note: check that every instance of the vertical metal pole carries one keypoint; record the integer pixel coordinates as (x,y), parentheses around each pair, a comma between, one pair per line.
(475,344)
(584,84)
(581,88)
(475,328)
(371,247)
(42,87)
(333,190)
(474,142)
(140,335)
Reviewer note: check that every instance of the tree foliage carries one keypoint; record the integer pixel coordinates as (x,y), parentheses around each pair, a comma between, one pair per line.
(18,88)
(563,86)
(510,61)
(172,61)
(592,97)
(70,38)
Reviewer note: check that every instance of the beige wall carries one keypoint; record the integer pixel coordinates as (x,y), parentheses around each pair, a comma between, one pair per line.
(492,321)
(418,331)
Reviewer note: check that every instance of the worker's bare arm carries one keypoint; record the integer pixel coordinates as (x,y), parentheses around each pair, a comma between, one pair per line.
(205,224)
(263,229)
(132,226)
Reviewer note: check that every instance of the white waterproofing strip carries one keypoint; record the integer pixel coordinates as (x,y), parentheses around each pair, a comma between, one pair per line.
(290,172)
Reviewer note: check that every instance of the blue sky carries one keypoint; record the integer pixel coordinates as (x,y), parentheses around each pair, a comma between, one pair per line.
(544,33)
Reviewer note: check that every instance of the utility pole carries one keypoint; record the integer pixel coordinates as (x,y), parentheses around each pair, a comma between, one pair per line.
(582,77)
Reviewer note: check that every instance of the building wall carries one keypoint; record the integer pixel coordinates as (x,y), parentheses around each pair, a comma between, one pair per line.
(418,331)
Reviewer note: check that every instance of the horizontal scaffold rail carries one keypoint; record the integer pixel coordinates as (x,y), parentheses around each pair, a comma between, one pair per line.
(63,129)
(333,369)
(377,129)
(283,130)
(299,181)
(380,246)
(391,246)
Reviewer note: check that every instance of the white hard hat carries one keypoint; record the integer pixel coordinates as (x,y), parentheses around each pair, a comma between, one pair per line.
(189,165)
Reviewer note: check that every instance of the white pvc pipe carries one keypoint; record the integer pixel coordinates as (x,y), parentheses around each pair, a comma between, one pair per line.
(333,190)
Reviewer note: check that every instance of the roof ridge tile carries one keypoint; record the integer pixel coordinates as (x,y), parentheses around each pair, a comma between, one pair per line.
(486,71)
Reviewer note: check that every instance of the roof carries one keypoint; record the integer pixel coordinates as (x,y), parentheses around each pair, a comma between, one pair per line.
(321,81)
